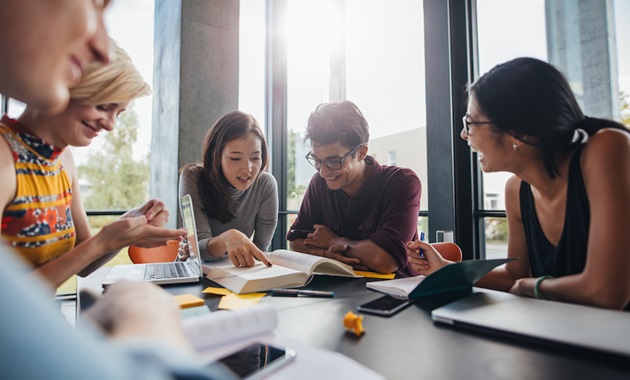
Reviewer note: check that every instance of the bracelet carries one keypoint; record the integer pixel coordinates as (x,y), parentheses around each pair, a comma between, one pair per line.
(540,279)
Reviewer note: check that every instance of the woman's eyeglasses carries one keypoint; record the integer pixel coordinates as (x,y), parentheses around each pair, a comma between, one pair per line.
(332,163)
(467,123)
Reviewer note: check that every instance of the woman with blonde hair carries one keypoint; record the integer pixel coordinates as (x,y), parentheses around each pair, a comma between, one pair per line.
(42,214)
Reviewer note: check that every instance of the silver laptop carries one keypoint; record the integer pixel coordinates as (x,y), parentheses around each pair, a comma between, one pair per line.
(166,273)
(576,326)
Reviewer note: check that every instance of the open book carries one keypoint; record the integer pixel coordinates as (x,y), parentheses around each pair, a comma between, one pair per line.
(457,277)
(290,269)
(223,327)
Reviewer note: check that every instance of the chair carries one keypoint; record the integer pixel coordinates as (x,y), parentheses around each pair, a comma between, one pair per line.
(448,250)
(162,254)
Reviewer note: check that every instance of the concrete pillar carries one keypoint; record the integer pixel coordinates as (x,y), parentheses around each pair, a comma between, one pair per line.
(195,82)
(581,43)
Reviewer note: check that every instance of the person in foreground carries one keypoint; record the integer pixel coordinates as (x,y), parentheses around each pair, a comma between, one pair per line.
(233,196)
(358,211)
(32,327)
(567,203)
(42,214)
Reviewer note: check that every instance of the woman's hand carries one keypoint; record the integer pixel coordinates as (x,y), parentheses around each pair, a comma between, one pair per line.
(242,251)
(135,231)
(524,287)
(183,250)
(153,210)
(429,262)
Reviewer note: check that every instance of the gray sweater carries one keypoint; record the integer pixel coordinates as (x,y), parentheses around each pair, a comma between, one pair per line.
(255,210)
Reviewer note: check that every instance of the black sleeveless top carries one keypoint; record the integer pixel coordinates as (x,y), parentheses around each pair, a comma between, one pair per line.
(569,257)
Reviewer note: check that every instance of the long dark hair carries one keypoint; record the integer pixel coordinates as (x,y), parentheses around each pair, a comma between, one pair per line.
(214,187)
(526,96)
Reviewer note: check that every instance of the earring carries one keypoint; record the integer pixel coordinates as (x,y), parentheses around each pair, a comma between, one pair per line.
(515,147)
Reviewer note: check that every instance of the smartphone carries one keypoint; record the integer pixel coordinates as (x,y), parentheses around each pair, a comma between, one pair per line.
(258,360)
(301,234)
(385,306)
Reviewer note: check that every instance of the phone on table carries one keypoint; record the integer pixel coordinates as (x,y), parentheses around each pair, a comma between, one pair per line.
(385,306)
(258,360)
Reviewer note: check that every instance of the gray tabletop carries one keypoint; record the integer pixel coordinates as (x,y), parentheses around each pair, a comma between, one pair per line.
(409,345)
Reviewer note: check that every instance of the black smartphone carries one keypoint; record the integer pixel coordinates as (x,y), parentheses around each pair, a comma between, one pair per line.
(385,306)
(258,360)
(301,234)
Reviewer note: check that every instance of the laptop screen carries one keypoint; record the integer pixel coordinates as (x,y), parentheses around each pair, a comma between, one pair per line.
(188,218)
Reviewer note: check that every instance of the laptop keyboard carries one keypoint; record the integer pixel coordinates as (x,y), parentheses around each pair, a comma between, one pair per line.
(166,270)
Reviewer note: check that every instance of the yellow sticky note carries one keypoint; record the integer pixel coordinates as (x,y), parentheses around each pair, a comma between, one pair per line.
(384,276)
(188,300)
(217,291)
(239,301)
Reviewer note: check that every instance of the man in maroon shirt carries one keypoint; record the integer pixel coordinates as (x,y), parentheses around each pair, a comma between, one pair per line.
(355,210)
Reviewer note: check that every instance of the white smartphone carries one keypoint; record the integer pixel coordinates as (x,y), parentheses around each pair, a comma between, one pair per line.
(385,306)
(258,360)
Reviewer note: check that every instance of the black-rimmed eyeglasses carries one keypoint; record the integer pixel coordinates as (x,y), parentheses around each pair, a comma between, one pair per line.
(332,163)
(467,123)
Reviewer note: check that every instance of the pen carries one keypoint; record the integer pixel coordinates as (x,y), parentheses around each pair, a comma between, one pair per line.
(422,250)
(297,292)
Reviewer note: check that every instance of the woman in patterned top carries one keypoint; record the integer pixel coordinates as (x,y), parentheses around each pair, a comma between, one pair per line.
(42,214)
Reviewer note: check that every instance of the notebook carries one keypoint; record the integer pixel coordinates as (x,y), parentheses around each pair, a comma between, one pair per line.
(166,273)
(569,325)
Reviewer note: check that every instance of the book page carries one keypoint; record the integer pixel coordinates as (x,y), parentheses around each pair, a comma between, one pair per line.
(258,278)
(310,264)
(299,261)
(400,287)
(222,327)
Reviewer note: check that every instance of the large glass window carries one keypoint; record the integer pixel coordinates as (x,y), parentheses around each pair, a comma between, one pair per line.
(334,53)
(114,170)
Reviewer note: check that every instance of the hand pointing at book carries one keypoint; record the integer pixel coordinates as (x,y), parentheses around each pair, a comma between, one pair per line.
(238,247)
(429,262)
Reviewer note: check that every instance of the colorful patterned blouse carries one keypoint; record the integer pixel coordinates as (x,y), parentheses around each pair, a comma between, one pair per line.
(38,221)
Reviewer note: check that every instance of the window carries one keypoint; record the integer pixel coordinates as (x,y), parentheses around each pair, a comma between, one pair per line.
(345,57)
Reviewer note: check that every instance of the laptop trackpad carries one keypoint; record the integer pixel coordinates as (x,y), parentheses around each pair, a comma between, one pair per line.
(127,272)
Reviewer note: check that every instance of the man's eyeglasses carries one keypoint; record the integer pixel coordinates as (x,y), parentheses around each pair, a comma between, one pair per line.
(467,123)
(332,163)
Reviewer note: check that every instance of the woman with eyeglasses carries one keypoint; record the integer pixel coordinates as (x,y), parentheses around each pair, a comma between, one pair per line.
(567,203)
(355,210)
(234,198)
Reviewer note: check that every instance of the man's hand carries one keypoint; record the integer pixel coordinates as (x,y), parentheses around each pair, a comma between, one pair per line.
(322,237)
(336,252)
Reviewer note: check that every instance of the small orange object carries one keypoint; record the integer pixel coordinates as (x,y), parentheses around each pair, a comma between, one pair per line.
(354,323)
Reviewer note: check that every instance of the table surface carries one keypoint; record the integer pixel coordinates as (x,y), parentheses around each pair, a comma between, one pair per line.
(407,345)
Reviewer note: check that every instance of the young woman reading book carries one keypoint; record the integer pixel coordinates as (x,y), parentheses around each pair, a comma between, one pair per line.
(234,198)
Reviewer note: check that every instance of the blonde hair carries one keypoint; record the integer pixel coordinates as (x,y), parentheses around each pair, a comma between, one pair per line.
(116,82)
